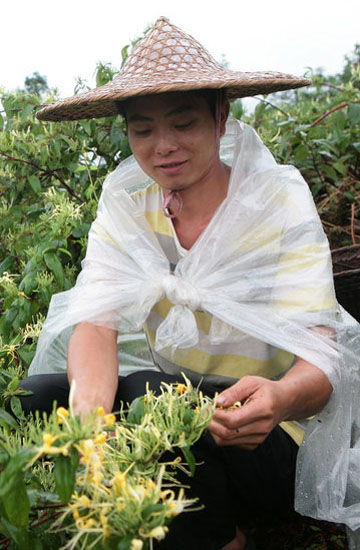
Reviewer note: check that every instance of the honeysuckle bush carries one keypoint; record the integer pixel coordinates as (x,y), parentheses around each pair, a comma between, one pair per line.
(51,176)
(103,481)
(317,129)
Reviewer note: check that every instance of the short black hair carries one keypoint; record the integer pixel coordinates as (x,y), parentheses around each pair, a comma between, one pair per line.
(210,96)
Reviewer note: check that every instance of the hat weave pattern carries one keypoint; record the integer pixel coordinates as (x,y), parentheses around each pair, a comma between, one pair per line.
(166,59)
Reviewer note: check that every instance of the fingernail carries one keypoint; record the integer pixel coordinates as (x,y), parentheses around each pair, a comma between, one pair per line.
(221,400)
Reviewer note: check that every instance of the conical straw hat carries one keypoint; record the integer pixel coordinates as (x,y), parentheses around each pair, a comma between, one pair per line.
(165,60)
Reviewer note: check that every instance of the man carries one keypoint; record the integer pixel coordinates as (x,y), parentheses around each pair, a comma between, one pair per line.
(174,133)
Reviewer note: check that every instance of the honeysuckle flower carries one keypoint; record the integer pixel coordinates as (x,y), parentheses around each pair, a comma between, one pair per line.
(118,482)
(109,420)
(174,509)
(75,513)
(61,413)
(105,526)
(136,544)
(158,532)
(100,411)
(181,388)
(97,478)
(83,500)
(100,439)
(49,449)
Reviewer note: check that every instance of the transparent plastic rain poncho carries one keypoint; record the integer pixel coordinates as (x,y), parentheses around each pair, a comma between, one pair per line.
(262,266)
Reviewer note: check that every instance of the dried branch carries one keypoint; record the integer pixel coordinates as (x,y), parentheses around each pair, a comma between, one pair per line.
(272,105)
(353,223)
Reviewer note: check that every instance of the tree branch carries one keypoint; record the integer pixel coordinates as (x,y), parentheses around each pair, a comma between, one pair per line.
(46,172)
(272,105)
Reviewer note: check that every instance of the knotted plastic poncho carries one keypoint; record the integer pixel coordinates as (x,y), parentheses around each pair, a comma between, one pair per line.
(262,266)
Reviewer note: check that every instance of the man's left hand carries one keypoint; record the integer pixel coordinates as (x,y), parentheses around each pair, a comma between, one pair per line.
(246,426)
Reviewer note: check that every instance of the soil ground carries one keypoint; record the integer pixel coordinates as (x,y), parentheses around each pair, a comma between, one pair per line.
(295,532)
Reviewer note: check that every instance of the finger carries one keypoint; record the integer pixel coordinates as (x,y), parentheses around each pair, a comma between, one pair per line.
(238,392)
(252,412)
(247,443)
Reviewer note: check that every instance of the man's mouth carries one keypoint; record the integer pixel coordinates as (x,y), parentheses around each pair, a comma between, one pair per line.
(171,164)
(171,168)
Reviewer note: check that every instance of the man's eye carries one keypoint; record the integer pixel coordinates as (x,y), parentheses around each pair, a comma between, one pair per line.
(184,126)
(142,132)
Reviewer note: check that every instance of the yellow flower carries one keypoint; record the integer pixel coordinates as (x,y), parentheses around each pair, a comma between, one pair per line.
(90,524)
(158,533)
(47,447)
(105,526)
(120,506)
(136,544)
(100,439)
(21,293)
(84,501)
(86,448)
(174,508)
(61,413)
(109,420)
(119,482)
(97,478)
(100,411)
(181,388)
(75,514)
(150,485)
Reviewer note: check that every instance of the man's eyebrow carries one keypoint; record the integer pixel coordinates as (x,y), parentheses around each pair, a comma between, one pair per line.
(139,118)
(180,110)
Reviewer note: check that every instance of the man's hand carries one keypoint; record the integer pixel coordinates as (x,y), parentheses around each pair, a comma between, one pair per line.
(247,426)
(302,392)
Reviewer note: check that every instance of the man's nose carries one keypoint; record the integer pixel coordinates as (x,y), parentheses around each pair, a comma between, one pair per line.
(166,143)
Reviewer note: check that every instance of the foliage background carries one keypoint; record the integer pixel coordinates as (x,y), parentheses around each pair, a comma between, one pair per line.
(51,176)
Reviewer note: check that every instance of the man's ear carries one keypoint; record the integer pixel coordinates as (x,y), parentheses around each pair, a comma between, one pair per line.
(224,113)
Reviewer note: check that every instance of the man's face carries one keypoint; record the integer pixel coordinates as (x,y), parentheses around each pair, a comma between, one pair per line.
(172,137)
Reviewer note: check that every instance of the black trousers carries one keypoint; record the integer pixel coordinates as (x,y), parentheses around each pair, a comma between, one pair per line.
(235,486)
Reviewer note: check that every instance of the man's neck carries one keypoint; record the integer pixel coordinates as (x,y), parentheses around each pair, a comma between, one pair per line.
(200,201)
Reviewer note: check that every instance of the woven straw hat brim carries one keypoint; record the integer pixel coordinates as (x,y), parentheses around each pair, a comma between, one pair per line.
(167,60)
(100,102)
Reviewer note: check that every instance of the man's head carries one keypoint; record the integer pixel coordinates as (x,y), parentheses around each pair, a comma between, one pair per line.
(175,136)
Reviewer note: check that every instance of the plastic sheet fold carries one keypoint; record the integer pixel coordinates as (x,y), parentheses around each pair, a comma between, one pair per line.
(261,267)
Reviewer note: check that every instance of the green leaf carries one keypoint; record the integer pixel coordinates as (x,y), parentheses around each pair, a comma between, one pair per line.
(17,504)
(27,353)
(354,113)
(136,411)
(81,230)
(152,509)
(117,135)
(35,184)
(64,472)
(35,543)
(188,416)
(7,420)
(190,459)
(8,320)
(18,534)
(341,168)
(13,385)
(6,265)
(54,264)
(16,407)
(125,543)
(13,493)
